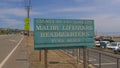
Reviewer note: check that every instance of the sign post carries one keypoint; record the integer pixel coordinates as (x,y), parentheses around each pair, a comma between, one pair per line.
(85,57)
(52,34)
(45,57)
(40,55)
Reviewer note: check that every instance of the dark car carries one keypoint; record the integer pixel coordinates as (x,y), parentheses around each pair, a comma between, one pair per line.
(25,33)
(110,40)
(102,44)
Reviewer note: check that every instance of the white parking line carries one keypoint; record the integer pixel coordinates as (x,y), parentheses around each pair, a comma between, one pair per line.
(7,57)
(105,64)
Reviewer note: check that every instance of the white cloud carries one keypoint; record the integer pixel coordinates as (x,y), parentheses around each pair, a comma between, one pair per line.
(33,13)
(16,0)
(13,0)
(13,11)
(79,0)
(75,9)
(10,3)
(16,12)
(2,4)
(12,21)
(107,22)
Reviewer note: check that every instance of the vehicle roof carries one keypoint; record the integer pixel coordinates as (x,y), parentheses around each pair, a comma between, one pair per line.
(116,42)
(110,40)
(104,41)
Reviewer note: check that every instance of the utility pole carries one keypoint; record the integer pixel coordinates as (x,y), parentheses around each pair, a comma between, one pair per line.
(27,20)
(27,23)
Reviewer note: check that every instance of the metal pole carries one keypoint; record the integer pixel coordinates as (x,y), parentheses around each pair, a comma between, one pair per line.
(28,14)
(85,56)
(28,11)
(117,63)
(45,55)
(73,52)
(79,53)
(77,56)
(40,55)
(88,56)
(99,60)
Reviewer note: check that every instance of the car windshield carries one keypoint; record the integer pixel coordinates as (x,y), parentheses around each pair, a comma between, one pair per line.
(113,44)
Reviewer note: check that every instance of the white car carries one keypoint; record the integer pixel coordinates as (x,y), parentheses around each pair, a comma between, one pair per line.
(113,45)
(102,44)
(97,43)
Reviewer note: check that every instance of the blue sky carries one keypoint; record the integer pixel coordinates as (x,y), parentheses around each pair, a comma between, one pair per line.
(105,13)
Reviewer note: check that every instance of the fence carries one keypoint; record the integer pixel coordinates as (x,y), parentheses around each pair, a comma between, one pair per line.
(97,58)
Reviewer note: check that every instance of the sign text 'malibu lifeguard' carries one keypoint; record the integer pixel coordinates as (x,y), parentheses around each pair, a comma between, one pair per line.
(63,33)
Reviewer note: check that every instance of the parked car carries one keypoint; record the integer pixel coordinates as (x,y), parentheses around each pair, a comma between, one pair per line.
(117,50)
(106,41)
(104,44)
(114,45)
(110,40)
(97,43)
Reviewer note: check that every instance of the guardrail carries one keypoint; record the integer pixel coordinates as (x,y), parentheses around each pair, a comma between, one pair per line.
(98,54)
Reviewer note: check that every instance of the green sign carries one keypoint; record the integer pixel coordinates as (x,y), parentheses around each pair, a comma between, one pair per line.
(63,33)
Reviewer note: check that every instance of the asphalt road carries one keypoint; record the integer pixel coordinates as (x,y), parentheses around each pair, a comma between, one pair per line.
(13,52)
(107,60)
